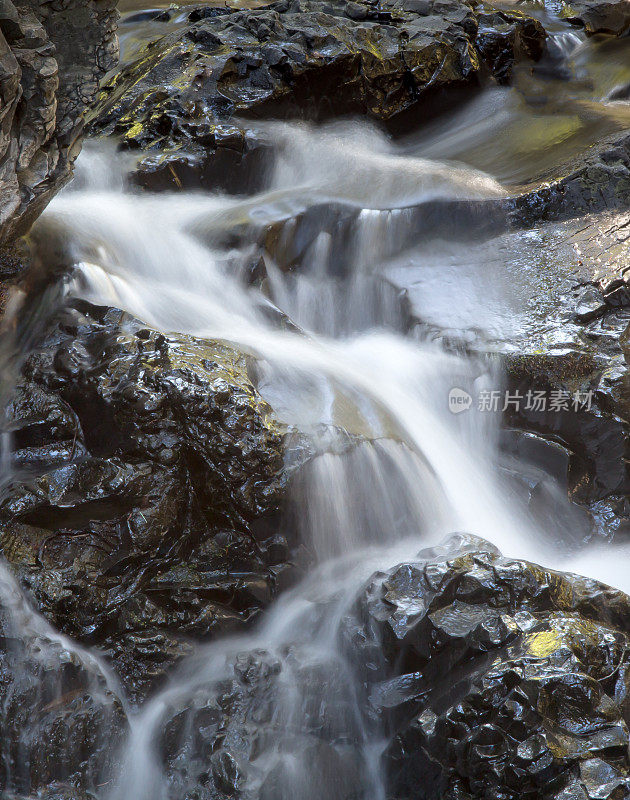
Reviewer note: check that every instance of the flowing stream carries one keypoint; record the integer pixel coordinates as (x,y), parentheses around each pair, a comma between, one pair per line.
(336,358)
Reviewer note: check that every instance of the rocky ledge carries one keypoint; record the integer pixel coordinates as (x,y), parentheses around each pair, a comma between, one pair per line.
(187,93)
(52,57)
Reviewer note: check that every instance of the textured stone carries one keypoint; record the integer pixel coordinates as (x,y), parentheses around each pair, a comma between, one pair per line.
(151,476)
(501,678)
(186,95)
(52,57)
(61,715)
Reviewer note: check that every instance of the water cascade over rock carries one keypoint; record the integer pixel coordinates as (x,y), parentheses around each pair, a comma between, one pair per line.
(265,532)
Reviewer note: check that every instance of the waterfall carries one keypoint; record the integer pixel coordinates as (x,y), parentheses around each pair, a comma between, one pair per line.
(404,472)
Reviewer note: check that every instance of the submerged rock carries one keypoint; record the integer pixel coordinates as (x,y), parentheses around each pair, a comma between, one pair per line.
(501,678)
(150,475)
(52,57)
(313,59)
(61,713)
(274,726)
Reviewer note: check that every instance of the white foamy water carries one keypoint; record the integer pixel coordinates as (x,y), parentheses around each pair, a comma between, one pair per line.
(416,472)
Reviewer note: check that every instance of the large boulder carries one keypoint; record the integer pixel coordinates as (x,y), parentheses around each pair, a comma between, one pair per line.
(52,57)
(501,678)
(609,16)
(184,95)
(473,674)
(149,479)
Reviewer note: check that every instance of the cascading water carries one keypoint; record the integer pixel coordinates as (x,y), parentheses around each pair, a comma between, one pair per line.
(337,356)
(394,471)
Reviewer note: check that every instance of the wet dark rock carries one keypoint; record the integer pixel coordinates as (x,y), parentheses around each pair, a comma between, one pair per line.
(486,676)
(12,263)
(619,93)
(501,678)
(52,57)
(586,352)
(150,479)
(61,722)
(590,305)
(287,233)
(187,95)
(611,16)
(54,792)
(242,730)
(504,39)
(155,15)
(597,181)
(549,351)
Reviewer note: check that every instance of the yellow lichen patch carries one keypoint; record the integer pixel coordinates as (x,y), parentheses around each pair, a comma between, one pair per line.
(543,644)
(134,131)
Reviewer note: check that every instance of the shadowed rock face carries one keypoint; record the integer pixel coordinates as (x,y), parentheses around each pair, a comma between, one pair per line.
(150,477)
(52,57)
(311,59)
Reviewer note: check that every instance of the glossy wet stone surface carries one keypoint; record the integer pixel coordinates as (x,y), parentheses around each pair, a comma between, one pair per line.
(503,679)
(490,676)
(144,514)
(313,60)
(62,721)
(150,477)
